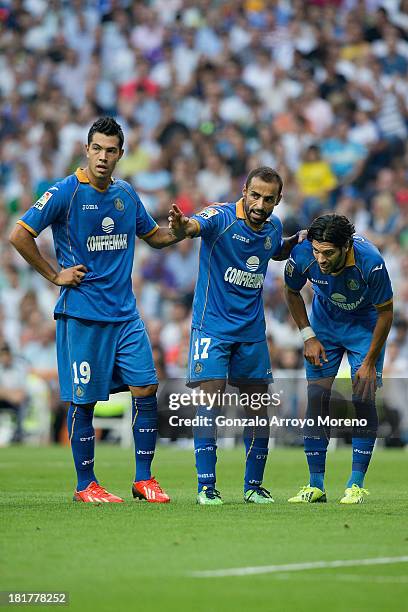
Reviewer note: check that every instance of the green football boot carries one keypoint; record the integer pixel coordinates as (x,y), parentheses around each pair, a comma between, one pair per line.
(354,495)
(209,497)
(258,496)
(309,495)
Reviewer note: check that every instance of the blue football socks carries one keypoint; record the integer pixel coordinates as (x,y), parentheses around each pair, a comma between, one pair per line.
(363,440)
(256,442)
(315,451)
(316,438)
(82,438)
(144,427)
(205,447)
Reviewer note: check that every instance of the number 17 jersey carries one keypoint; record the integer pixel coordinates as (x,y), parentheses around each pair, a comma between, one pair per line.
(234,258)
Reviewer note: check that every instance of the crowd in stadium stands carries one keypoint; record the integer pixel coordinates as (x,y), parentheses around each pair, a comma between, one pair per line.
(205,90)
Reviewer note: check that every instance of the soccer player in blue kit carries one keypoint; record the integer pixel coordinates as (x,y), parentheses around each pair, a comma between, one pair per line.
(102,345)
(352,312)
(228,327)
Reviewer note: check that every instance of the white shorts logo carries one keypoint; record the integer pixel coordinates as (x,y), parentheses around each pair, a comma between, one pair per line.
(108,225)
(252,263)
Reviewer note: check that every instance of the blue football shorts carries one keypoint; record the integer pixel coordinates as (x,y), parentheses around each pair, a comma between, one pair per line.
(341,334)
(97,358)
(239,363)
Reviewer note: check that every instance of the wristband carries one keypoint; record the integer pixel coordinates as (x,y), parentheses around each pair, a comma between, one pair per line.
(307,333)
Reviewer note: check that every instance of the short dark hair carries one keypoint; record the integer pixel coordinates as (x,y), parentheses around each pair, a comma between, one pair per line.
(333,228)
(107,126)
(266,174)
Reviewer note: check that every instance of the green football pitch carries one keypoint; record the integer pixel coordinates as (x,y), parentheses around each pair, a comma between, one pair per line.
(146,557)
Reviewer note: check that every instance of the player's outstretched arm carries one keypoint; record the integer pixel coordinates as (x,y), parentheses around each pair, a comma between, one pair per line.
(180,227)
(289,244)
(313,350)
(25,244)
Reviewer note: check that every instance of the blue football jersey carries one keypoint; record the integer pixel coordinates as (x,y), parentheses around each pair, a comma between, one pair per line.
(361,285)
(97,229)
(233,261)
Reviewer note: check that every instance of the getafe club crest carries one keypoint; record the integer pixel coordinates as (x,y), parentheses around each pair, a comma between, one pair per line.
(289,268)
(353,284)
(119,205)
(268,243)
(198,368)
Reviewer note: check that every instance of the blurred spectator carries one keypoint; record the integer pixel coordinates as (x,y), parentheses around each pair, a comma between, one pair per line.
(345,156)
(214,179)
(13,393)
(316,181)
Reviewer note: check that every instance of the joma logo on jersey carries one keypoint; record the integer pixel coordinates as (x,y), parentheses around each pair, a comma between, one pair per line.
(319,282)
(241,238)
(90,207)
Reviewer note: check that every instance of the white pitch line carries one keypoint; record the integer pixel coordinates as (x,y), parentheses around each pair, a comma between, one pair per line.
(295,567)
(346,578)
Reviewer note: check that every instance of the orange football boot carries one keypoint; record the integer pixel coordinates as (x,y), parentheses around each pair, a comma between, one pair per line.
(94,493)
(150,490)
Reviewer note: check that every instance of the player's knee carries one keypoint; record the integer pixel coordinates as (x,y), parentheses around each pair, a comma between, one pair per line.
(326,382)
(90,406)
(143,391)
(318,401)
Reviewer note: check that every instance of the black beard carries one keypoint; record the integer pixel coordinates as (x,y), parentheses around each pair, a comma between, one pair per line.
(340,267)
(258,221)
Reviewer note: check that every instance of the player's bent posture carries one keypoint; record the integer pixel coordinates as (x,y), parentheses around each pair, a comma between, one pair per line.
(228,328)
(102,345)
(351,312)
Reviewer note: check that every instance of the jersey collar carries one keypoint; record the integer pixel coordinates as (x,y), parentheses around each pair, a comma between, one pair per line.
(239,209)
(83,178)
(350,258)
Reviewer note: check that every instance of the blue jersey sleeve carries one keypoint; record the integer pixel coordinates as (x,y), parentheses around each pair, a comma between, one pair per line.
(380,285)
(50,208)
(145,224)
(209,221)
(294,279)
(277,223)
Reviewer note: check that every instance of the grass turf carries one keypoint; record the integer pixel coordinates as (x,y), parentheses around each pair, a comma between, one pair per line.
(139,555)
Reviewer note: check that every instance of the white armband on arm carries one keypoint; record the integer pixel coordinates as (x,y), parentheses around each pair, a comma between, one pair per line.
(307,333)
